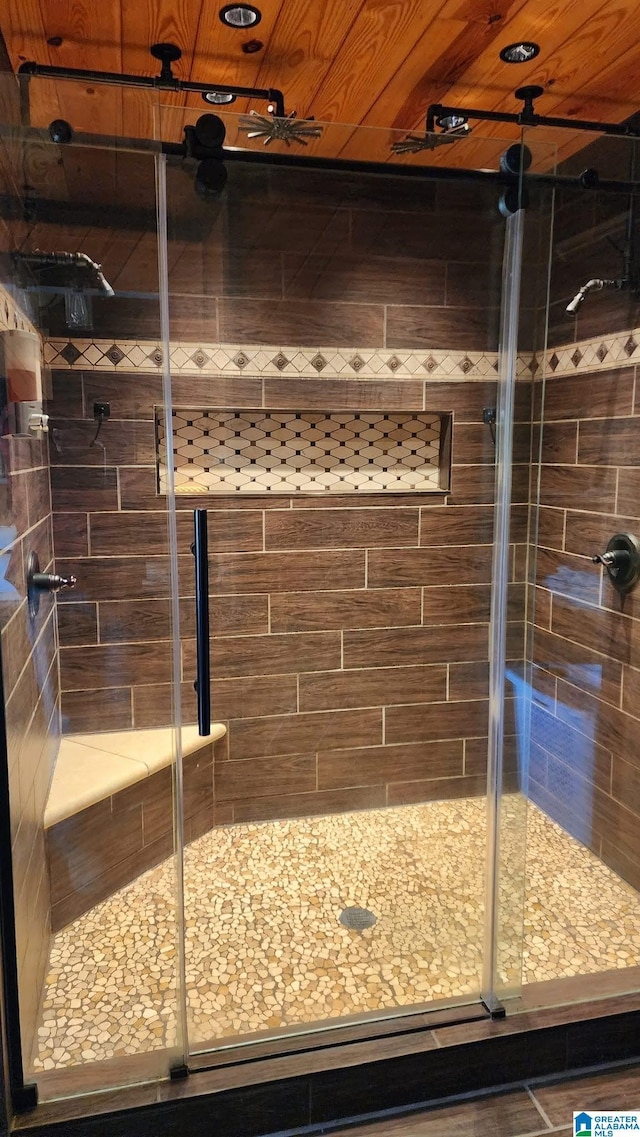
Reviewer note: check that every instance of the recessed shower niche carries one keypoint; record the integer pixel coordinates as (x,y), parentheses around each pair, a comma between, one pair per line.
(219,450)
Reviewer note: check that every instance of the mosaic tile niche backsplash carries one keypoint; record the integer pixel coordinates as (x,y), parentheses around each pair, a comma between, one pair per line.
(222,451)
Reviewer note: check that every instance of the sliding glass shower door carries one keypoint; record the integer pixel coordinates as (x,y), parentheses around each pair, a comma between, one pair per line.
(334,343)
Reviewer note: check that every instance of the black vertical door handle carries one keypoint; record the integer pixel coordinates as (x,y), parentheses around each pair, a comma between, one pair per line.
(203,680)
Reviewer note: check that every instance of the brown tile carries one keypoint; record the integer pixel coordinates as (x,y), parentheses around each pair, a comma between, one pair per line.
(628,491)
(573,487)
(457,525)
(285,572)
(578,664)
(456,604)
(613,1089)
(625,783)
(153,704)
(470,329)
(610,441)
(109,880)
(77,624)
(70,534)
(438,720)
(66,394)
(216,391)
(82,846)
(132,620)
(264,695)
(113,665)
(122,533)
(468,681)
(83,710)
(340,528)
(119,578)
(472,444)
(377,501)
(304,611)
(630,690)
(131,396)
(268,655)
(605,394)
(121,443)
(436,789)
(365,279)
(427,566)
(559,443)
(309,804)
(304,733)
(575,577)
(589,533)
(541,610)
(38,494)
(279,321)
(465,400)
(84,488)
(550,531)
(375,765)
(503,1115)
(344,394)
(609,633)
(389,647)
(261,777)
(372,687)
(609,727)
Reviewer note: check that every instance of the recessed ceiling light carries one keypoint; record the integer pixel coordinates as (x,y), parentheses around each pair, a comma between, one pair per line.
(240,15)
(218,97)
(452,121)
(520,52)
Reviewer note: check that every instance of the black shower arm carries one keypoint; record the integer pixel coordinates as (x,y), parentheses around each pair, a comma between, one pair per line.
(528,117)
(113,78)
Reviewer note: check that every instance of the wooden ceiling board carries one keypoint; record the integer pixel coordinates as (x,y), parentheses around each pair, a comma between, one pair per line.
(375,63)
(306,40)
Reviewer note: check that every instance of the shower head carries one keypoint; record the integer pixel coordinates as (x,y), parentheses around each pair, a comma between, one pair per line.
(595,285)
(272,129)
(65,270)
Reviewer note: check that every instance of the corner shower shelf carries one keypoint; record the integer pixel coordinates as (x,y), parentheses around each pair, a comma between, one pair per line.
(258,451)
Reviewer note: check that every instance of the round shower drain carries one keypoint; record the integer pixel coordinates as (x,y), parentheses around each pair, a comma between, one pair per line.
(357,918)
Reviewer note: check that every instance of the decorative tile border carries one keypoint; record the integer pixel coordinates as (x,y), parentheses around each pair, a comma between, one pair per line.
(599,354)
(12,317)
(252,451)
(307,362)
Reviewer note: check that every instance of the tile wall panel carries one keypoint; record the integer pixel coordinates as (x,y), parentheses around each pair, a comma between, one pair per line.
(586,637)
(330,618)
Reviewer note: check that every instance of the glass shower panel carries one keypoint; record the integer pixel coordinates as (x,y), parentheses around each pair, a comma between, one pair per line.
(85,651)
(583,770)
(334,338)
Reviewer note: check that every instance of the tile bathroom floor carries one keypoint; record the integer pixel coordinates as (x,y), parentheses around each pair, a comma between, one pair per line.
(266,949)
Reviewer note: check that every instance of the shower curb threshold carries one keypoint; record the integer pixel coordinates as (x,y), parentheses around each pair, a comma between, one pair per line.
(326,1086)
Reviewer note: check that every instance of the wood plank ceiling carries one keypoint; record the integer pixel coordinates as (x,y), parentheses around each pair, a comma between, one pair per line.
(367,63)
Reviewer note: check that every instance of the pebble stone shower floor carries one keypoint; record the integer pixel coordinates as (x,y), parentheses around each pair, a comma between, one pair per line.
(266,949)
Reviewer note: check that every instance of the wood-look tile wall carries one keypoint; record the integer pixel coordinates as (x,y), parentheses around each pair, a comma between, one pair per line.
(584,765)
(314,257)
(30,681)
(349,651)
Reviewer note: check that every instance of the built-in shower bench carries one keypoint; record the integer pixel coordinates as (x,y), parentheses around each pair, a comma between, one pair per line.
(109,814)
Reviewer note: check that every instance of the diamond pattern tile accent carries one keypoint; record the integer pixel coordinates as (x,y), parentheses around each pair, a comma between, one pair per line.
(70,353)
(466,365)
(576,357)
(199,358)
(258,451)
(114,354)
(630,346)
(356,362)
(240,360)
(394,363)
(281,361)
(553,361)
(319,362)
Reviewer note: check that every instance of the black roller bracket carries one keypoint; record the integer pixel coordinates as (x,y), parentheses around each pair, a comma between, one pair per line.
(621,560)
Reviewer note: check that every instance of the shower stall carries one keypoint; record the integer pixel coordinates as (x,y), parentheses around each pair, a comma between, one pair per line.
(375,758)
